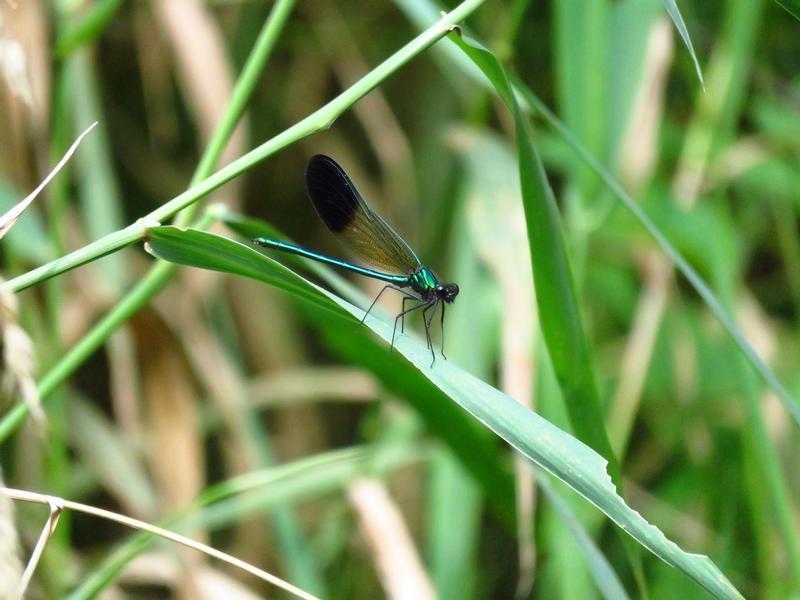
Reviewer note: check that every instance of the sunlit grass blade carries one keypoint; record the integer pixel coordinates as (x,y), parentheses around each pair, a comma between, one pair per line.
(559,313)
(677,18)
(530,102)
(554,450)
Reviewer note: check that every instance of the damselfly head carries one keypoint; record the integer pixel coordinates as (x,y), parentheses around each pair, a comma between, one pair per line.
(447,292)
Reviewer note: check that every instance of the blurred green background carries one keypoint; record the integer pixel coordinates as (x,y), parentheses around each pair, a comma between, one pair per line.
(371,488)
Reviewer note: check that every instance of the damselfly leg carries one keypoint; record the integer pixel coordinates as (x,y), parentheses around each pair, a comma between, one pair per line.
(442,321)
(427,322)
(378,297)
(403,314)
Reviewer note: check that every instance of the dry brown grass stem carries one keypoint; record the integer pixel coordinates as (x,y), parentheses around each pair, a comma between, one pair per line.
(304,385)
(153,529)
(47,531)
(399,567)
(7,220)
(10,563)
(17,377)
(639,348)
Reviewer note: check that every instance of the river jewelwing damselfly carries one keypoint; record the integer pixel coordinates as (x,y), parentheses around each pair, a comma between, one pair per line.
(350,219)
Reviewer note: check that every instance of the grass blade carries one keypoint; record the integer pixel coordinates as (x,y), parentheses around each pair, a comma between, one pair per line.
(604,576)
(87,27)
(791,6)
(317,121)
(675,14)
(8,219)
(559,313)
(531,102)
(252,493)
(562,455)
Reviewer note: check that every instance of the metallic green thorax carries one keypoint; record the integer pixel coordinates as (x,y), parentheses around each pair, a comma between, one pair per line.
(423,281)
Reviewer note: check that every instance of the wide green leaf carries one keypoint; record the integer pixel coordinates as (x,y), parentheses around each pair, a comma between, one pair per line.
(554,450)
(466,439)
(559,313)
(421,10)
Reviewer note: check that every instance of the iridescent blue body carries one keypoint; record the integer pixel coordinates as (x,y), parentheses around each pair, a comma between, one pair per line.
(422,281)
(399,280)
(347,215)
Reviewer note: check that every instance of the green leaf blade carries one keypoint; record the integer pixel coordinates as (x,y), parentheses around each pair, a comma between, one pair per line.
(541,442)
(207,251)
(559,313)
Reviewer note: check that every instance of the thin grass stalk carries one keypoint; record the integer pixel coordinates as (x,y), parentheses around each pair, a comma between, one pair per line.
(60,504)
(304,478)
(47,531)
(155,280)
(319,120)
(532,104)
(694,279)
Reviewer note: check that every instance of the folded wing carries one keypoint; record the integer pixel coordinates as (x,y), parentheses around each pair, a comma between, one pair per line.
(350,218)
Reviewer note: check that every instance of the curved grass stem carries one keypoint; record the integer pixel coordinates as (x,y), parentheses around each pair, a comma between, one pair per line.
(319,120)
(202,185)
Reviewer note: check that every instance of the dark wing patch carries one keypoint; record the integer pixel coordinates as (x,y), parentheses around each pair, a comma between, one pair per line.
(347,215)
(331,193)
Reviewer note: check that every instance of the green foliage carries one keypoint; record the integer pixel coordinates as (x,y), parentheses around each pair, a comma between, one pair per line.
(574,463)
(791,6)
(658,342)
